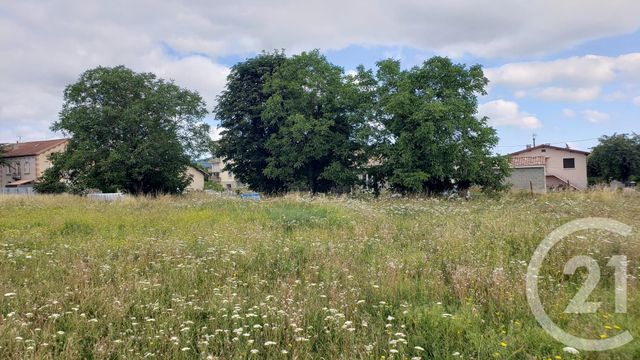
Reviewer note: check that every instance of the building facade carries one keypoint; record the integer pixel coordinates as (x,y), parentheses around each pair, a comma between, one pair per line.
(197,179)
(544,167)
(215,166)
(26,162)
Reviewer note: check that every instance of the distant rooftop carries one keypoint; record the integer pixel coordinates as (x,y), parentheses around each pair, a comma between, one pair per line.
(547,146)
(31,148)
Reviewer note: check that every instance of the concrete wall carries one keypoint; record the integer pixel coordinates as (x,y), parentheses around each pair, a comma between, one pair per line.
(42,160)
(197,180)
(520,179)
(576,176)
(26,165)
(225,178)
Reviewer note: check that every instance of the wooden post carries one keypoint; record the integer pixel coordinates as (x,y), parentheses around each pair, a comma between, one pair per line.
(531,187)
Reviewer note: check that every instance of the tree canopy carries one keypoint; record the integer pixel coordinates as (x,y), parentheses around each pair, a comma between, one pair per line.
(245,132)
(616,157)
(301,123)
(130,132)
(435,139)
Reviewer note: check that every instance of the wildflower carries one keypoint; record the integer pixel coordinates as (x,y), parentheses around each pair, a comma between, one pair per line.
(60,332)
(254,351)
(570,350)
(503,344)
(11,294)
(269,343)
(389,318)
(457,353)
(283,351)
(185,349)
(393,351)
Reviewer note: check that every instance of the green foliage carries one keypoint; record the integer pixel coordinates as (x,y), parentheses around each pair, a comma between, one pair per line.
(300,123)
(314,148)
(3,149)
(616,157)
(50,185)
(246,133)
(213,185)
(435,139)
(323,278)
(129,132)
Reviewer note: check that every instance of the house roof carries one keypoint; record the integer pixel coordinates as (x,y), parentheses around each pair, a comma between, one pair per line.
(19,182)
(31,148)
(547,146)
(198,169)
(528,161)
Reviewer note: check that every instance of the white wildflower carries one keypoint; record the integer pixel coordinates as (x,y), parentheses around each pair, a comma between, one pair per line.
(571,350)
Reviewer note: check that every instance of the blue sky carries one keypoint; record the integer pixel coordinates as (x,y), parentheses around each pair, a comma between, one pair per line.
(566,71)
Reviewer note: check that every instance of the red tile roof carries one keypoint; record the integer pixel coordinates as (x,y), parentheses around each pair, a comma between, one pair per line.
(526,161)
(31,148)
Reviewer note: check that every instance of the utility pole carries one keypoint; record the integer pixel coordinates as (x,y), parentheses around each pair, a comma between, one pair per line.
(19,139)
(534,139)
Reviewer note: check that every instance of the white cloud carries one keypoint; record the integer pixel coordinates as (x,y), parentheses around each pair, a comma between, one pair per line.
(568,94)
(574,71)
(568,113)
(507,113)
(214,133)
(571,79)
(595,116)
(636,100)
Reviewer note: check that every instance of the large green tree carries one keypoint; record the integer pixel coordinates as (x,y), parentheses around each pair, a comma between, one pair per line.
(314,108)
(245,132)
(616,157)
(130,132)
(435,141)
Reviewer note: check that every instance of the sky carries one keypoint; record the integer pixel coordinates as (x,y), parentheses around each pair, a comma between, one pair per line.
(567,71)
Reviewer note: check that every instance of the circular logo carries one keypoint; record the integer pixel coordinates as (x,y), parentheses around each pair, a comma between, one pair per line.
(578,304)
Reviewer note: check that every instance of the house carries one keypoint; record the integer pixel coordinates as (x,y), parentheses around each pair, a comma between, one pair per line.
(545,167)
(27,162)
(197,179)
(215,167)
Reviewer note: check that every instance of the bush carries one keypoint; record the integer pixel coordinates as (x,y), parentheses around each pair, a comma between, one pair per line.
(212,185)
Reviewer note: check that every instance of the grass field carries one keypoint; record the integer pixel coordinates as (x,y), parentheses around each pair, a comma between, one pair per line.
(294,278)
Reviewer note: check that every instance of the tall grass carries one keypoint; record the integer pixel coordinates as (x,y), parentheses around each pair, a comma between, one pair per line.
(292,278)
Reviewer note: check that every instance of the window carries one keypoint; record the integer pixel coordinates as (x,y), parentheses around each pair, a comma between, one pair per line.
(27,167)
(543,150)
(569,163)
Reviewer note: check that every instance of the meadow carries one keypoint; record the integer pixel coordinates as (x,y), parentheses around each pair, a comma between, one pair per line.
(299,278)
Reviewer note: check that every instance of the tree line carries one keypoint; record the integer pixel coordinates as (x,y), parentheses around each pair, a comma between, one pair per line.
(302,123)
(295,123)
(616,157)
(289,123)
